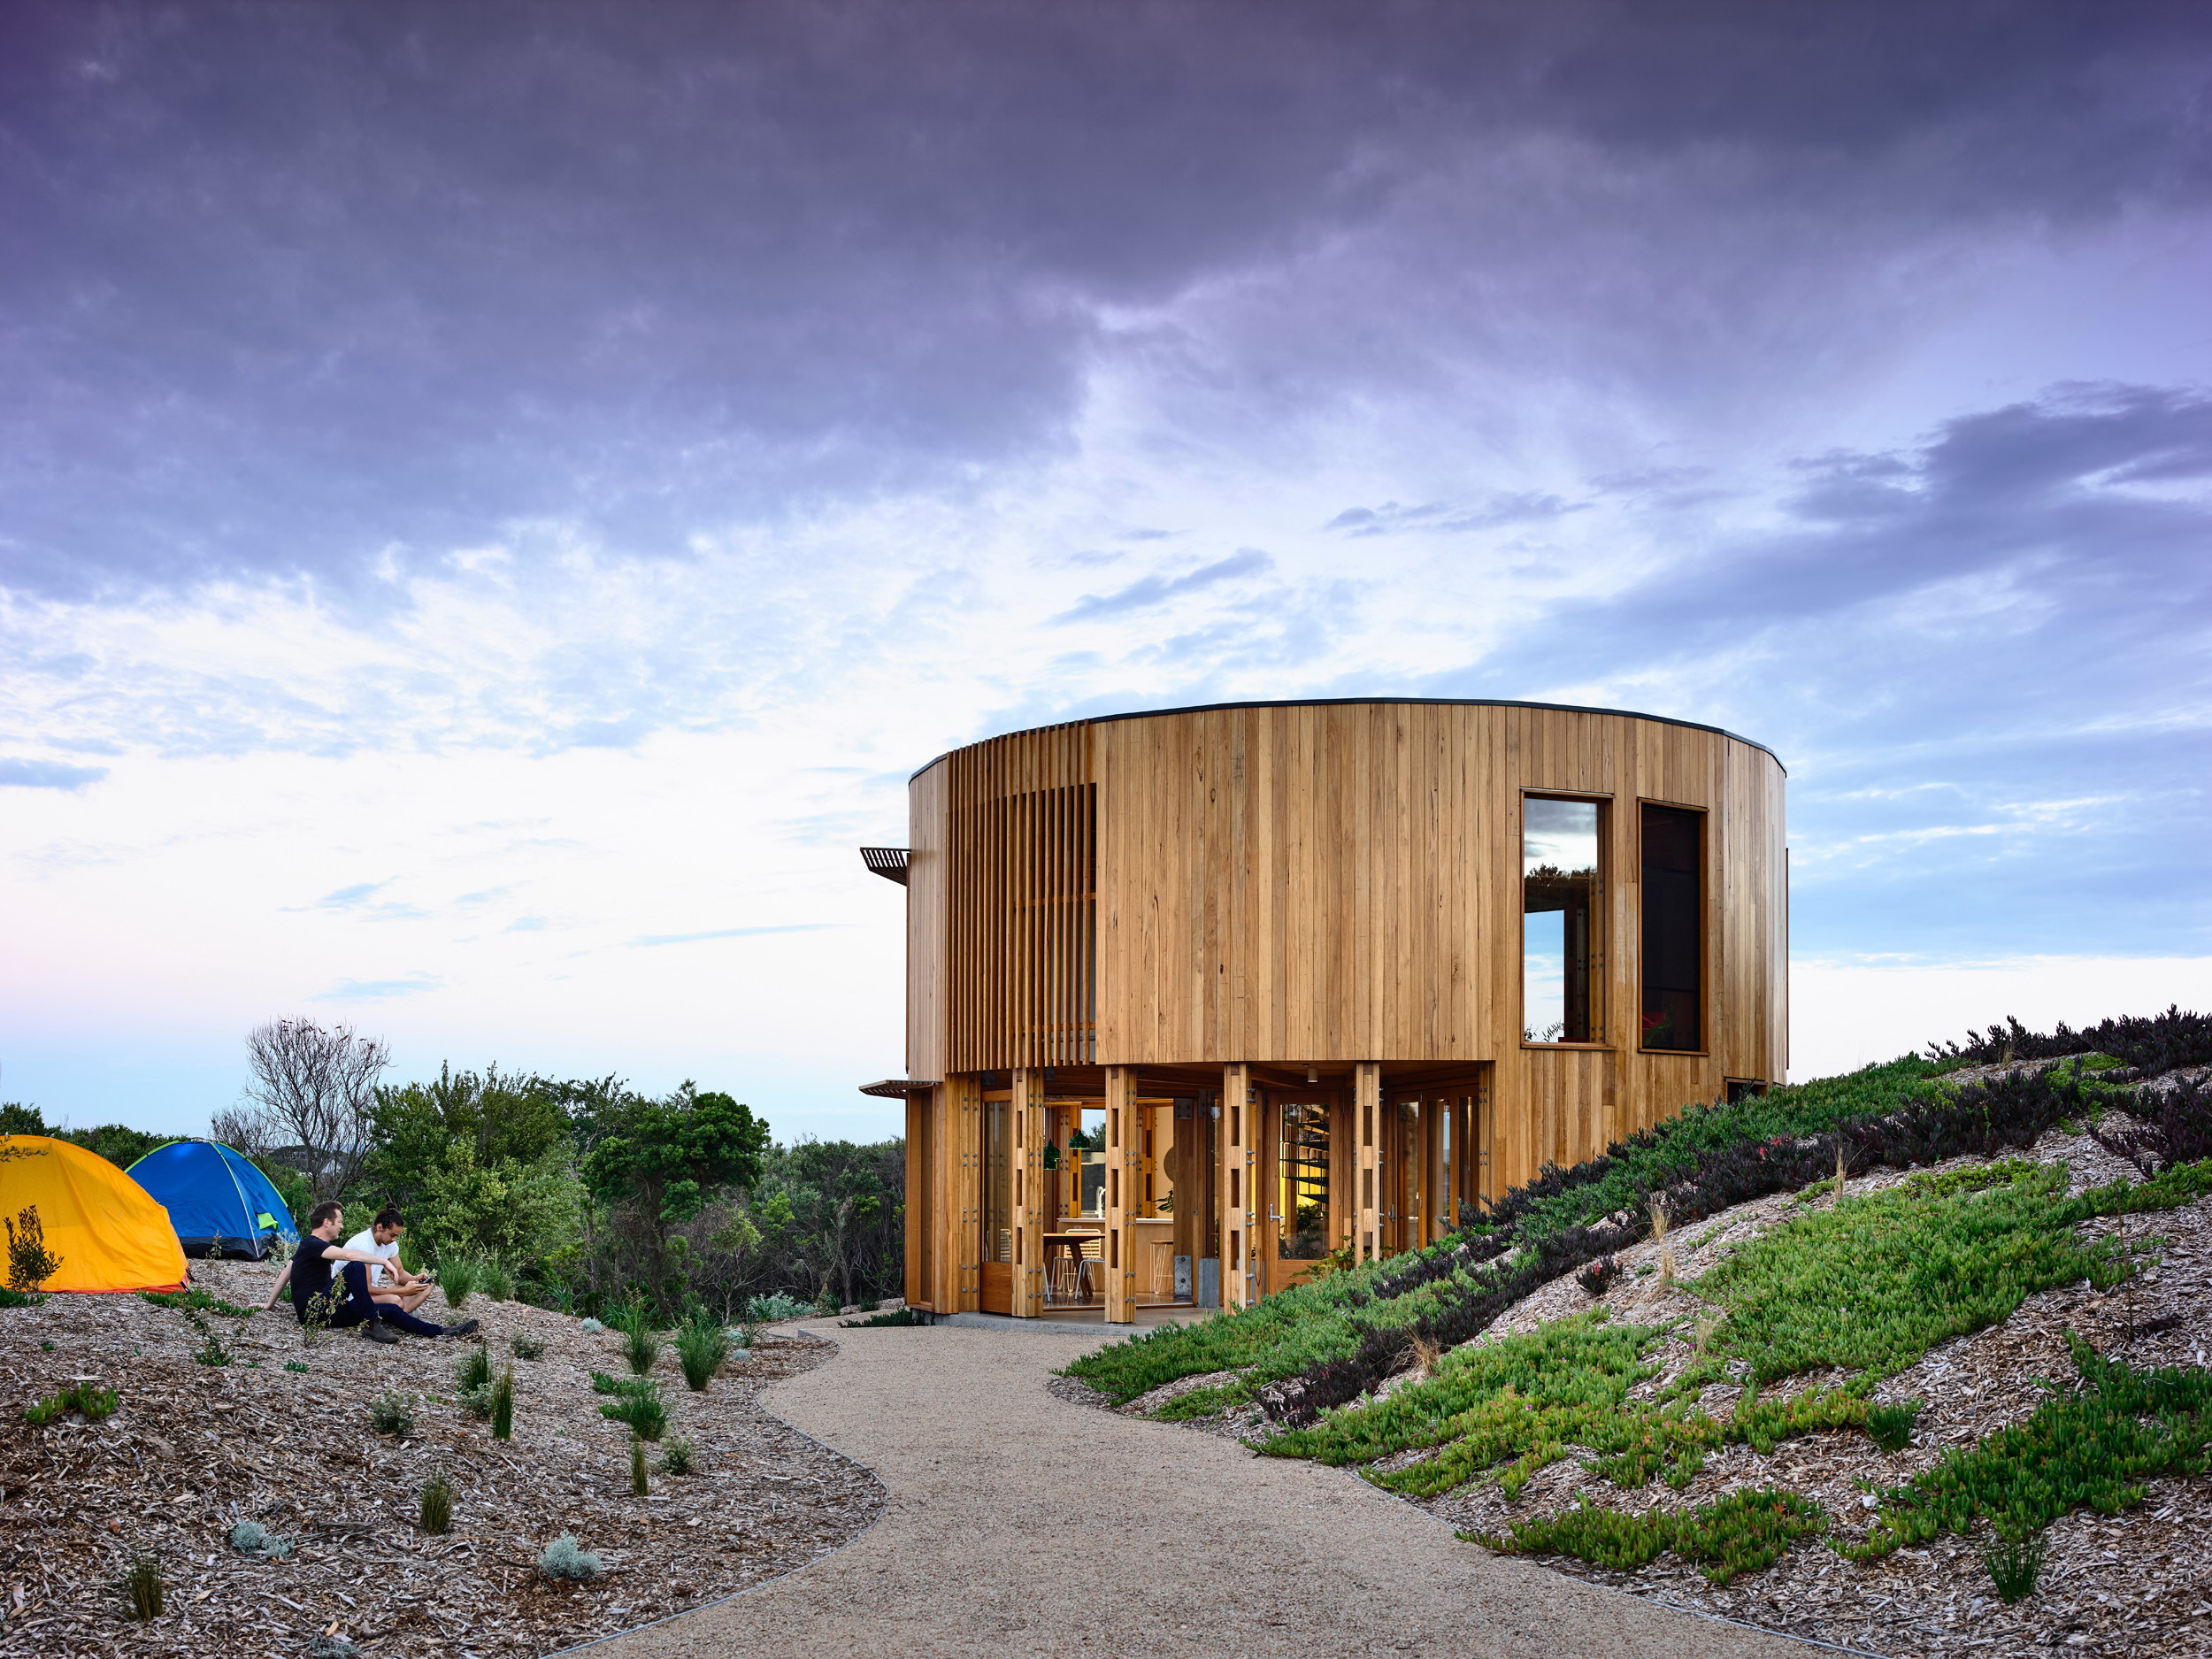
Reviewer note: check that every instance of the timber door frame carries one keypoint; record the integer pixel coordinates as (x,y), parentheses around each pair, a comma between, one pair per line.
(1276,1272)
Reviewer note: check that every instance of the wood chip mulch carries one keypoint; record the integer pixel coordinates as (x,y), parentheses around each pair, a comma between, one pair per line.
(194,1449)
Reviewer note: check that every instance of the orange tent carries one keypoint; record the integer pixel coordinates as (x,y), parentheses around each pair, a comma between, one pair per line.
(108,1231)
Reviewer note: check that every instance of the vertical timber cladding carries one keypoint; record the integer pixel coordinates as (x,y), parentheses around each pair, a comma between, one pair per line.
(1341,883)
(1022,834)
(1237,1128)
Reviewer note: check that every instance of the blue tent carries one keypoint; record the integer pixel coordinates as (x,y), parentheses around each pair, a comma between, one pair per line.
(218,1201)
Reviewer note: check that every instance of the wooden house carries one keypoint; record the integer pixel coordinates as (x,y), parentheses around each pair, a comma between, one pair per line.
(1197,998)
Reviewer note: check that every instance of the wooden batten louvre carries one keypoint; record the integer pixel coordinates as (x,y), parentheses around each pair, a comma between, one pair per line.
(1023,857)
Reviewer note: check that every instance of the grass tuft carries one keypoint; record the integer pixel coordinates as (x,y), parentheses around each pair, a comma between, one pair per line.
(637,1485)
(143,1589)
(503,1406)
(1890,1426)
(437,1515)
(2015,1564)
(701,1345)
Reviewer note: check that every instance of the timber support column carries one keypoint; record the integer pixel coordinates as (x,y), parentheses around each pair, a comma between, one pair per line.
(1367,1117)
(1120,1265)
(1239,1128)
(1029,1193)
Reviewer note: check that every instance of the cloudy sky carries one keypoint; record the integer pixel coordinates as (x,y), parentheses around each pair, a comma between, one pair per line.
(494,500)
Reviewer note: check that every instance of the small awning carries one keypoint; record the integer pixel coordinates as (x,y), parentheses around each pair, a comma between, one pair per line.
(896,1087)
(888,862)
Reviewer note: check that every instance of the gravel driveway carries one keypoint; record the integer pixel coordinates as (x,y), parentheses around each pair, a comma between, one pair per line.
(1019,1524)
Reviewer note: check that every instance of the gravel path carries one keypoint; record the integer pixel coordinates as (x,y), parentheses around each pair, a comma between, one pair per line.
(1019,1523)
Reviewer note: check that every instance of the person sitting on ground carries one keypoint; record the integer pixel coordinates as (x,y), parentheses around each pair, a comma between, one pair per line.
(347,1301)
(390,1280)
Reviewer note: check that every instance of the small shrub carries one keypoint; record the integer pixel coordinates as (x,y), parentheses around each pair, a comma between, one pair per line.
(590,1327)
(1890,1426)
(562,1559)
(330,1645)
(768,1310)
(1598,1277)
(210,1350)
(474,1370)
(637,1466)
(437,1505)
(504,1406)
(641,1408)
(95,1403)
(393,1413)
(18,1299)
(250,1538)
(678,1458)
(295,1364)
(526,1345)
(459,1277)
(30,1264)
(603,1384)
(641,1342)
(1745,1532)
(39,1415)
(142,1589)
(897,1315)
(496,1279)
(2015,1563)
(702,1347)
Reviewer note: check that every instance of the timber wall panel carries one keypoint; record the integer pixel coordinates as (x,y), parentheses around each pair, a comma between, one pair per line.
(925,918)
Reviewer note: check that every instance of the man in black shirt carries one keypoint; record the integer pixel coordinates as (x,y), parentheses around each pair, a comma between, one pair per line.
(345,1299)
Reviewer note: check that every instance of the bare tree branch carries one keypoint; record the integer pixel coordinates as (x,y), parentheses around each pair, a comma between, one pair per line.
(312,1088)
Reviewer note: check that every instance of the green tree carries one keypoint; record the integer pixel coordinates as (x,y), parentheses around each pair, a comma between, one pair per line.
(18,1119)
(417,1129)
(663,1161)
(842,1207)
(119,1144)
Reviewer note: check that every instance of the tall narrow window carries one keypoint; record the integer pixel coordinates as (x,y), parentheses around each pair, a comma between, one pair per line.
(1559,881)
(1673,930)
(1301,1165)
(998,1180)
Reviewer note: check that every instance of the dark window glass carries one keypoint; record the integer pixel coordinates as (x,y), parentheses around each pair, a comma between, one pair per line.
(1559,880)
(1673,929)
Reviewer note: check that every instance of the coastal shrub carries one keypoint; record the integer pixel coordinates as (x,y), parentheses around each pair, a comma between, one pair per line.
(1745,1532)
(143,1590)
(640,1407)
(678,1456)
(436,1516)
(250,1538)
(2150,1045)
(2177,1118)
(19,1298)
(590,1327)
(562,1559)
(701,1345)
(30,1264)
(393,1413)
(1598,1275)
(210,1350)
(897,1315)
(527,1347)
(768,1310)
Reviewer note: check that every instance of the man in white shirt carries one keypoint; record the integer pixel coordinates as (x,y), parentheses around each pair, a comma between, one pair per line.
(389,1281)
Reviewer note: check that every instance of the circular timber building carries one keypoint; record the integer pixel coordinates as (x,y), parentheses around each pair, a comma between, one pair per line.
(1196,998)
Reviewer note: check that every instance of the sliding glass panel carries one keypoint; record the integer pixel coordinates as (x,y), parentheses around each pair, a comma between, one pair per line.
(1673,932)
(1086,1150)
(1302,1165)
(1559,880)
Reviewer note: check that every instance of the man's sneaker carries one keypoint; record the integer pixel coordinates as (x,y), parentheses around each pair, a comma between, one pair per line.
(462,1329)
(377,1332)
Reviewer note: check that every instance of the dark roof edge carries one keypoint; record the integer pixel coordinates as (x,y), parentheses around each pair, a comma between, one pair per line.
(1340,703)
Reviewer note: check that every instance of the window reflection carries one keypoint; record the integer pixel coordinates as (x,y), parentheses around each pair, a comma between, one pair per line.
(1559,880)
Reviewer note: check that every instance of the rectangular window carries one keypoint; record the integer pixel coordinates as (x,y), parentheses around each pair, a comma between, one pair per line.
(1559,883)
(1673,931)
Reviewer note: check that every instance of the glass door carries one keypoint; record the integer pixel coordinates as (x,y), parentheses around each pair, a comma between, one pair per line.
(1301,1203)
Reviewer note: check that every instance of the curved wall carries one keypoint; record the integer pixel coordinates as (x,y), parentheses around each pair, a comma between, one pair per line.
(1331,882)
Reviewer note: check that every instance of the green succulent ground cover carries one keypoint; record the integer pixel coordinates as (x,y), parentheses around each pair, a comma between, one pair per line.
(2093,1449)
(1745,1532)
(1867,1285)
(1289,1332)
